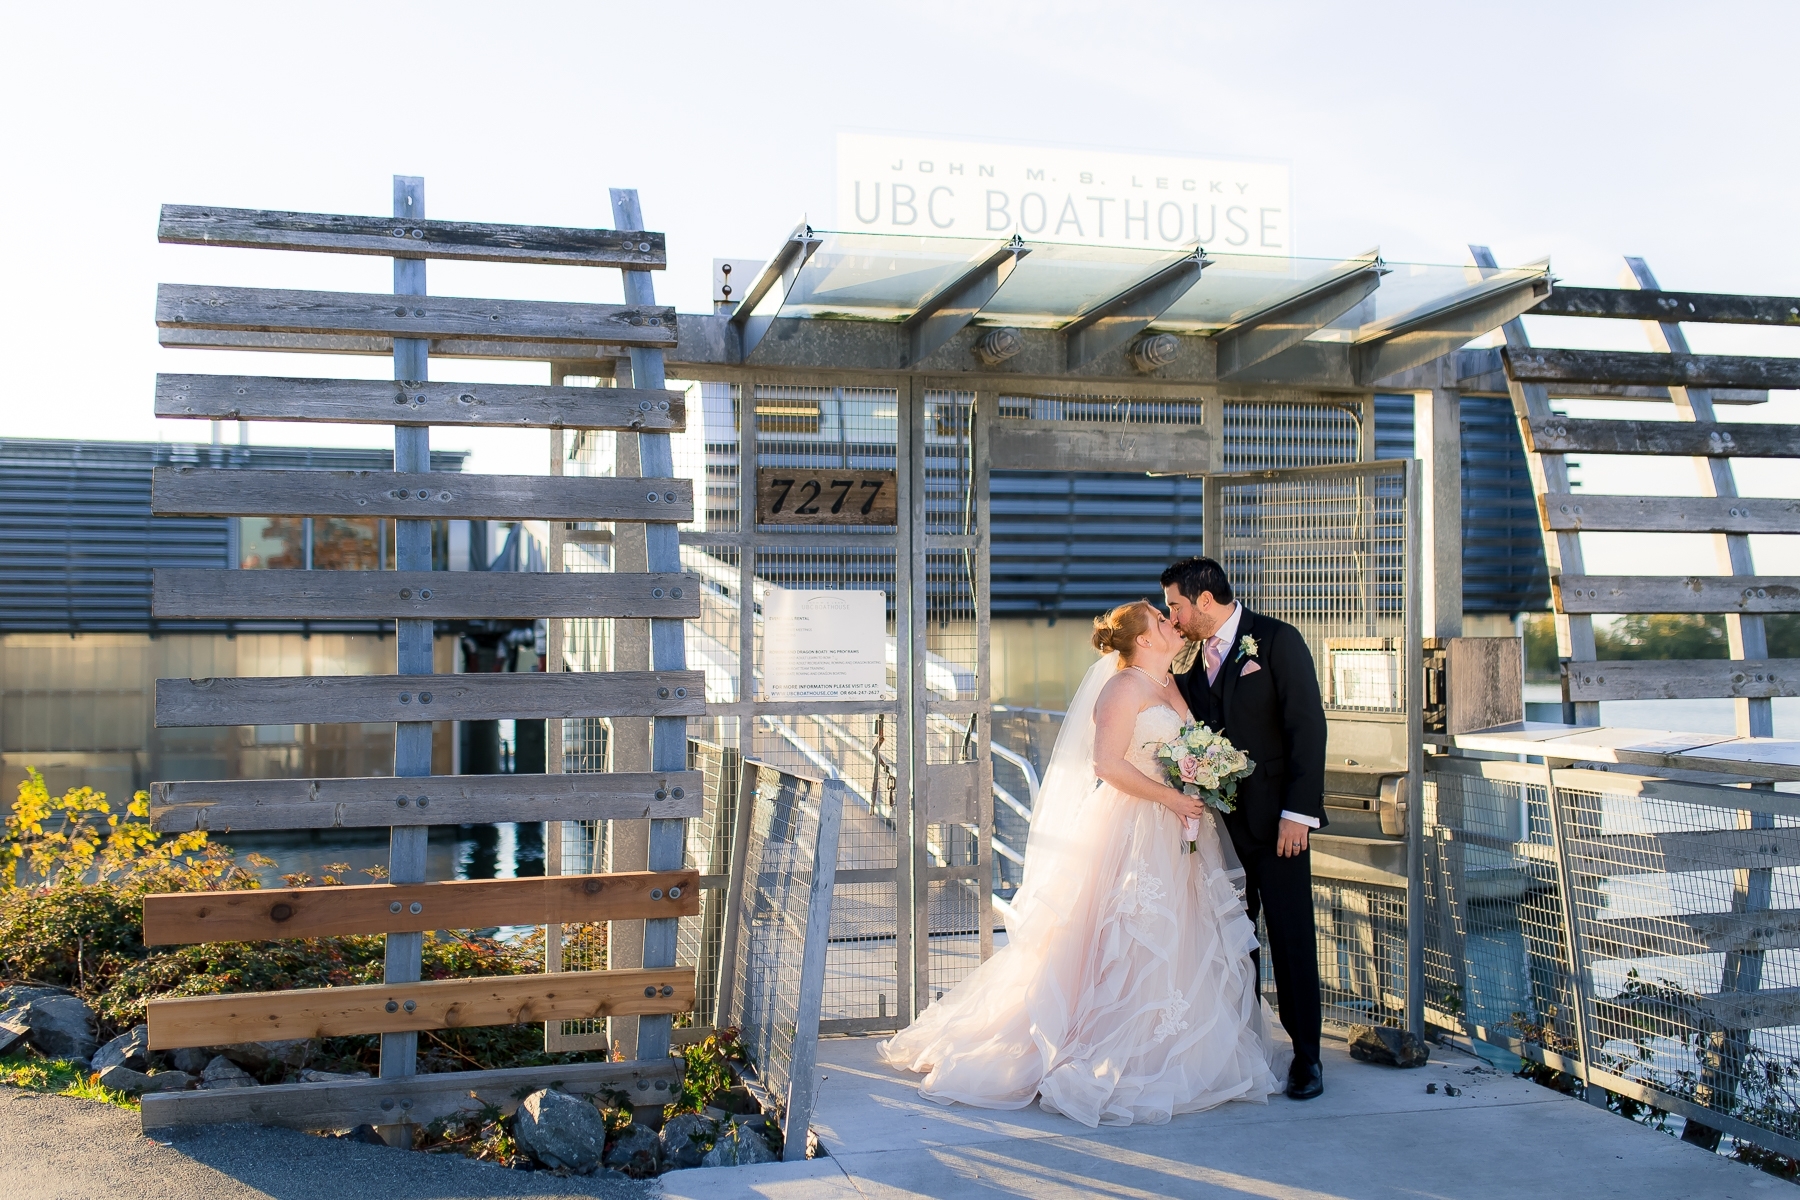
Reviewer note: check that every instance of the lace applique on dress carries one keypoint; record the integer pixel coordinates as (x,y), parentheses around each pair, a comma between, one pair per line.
(1148,888)
(1171,1023)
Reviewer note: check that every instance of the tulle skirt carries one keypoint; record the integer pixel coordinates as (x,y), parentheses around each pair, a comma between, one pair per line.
(1125,992)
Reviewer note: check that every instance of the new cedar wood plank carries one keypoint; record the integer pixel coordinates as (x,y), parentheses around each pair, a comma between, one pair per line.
(382,801)
(418,1099)
(280,310)
(1679,594)
(1647,305)
(1560,435)
(431,1004)
(326,700)
(1700,679)
(439,595)
(480,241)
(364,401)
(1570,513)
(264,914)
(1530,365)
(438,495)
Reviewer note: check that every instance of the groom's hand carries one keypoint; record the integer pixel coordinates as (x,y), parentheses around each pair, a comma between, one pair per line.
(1290,839)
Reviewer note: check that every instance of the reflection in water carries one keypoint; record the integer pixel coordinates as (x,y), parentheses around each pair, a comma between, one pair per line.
(508,851)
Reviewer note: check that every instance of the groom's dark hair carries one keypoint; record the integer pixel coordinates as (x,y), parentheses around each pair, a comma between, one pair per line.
(1191,576)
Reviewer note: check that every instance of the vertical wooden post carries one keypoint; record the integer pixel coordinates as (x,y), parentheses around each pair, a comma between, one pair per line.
(412,739)
(668,640)
(555,629)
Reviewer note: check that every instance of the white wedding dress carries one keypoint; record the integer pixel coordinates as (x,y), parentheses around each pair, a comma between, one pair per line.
(1124,993)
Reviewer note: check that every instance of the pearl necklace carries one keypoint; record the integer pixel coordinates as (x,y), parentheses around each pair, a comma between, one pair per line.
(1161,683)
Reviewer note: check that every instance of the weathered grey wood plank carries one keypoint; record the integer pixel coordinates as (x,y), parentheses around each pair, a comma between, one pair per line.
(417,1099)
(1574,513)
(381,801)
(262,229)
(372,402)
(275,310)
(1709,679)
(1693,933)
(1709,789)
(599,354)
(1644,305)
(1697,850)
(1560,435)
(1679,593)
(202,491)
(1530,365)
(1684,1014)
(327,700)
(439,595)
(1017,445)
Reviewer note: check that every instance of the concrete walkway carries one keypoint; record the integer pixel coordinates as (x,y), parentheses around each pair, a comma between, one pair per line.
(1375,1133)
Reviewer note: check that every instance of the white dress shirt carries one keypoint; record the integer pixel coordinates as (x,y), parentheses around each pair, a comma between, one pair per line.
(1226,634)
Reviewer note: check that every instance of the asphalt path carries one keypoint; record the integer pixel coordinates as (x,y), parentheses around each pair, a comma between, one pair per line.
(61,1148)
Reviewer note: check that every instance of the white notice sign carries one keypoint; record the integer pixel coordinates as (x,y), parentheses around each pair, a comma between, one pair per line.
(824,645)
(898,184)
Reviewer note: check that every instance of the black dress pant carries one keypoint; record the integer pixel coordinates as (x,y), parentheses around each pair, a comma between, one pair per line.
(1281,890)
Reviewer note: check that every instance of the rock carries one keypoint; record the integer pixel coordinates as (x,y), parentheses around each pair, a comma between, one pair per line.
(739,1145)
(685,1139)
(192,1059)
(60,1026)
(363,1133)
(222,1073)
(13,1029)
(635,1151)
(311,1076)
(1386,1046)
(21,994)
(259,1056)
(130,1049)
(123,1079)
(561,1130)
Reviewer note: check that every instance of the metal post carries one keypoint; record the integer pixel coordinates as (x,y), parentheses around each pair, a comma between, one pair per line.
(802,1065)
(1415,762)
(1565,892)
(981,417)
(668,641)
(412,739)
(1437,438)
(912,874)
(555,630)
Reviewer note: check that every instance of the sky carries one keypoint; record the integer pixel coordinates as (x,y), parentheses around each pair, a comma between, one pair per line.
(1582,131)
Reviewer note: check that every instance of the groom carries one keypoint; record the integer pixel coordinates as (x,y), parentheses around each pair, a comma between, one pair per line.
(1254,681)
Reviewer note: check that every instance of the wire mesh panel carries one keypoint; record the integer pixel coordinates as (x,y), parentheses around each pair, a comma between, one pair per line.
(1324,550)
(1262,436)
(700,939)
(1683,915)
(773,944)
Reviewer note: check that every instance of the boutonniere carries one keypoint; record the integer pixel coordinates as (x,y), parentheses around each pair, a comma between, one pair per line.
(1246,647)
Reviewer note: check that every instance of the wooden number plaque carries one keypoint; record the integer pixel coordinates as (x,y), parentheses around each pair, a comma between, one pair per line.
(805,496)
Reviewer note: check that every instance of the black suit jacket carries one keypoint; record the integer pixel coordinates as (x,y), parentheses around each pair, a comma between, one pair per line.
(1275,715)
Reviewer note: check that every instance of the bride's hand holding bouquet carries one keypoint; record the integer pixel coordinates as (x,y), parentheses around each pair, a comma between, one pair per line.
(1202,763)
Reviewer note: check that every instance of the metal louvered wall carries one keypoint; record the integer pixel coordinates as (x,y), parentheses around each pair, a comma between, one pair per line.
(78,543)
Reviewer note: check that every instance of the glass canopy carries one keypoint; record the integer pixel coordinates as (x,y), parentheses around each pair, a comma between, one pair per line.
(889,277)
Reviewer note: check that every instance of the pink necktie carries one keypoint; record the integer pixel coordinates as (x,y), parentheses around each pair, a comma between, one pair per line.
(1213,653)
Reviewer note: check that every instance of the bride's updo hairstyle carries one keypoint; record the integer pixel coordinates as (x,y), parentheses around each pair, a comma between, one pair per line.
(1120,629)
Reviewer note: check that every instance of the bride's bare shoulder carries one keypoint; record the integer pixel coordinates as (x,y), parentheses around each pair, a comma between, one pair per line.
(1121,695)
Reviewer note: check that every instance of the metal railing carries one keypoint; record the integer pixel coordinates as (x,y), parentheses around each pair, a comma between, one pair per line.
(1636,933)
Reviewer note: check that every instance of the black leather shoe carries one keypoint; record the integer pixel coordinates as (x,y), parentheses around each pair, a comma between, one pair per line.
(1305,1081)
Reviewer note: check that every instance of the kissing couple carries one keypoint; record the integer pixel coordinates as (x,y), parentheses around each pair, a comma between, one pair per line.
(1128,989)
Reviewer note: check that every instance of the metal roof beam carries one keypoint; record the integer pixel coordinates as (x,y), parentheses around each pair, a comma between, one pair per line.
(1260,334)
(956,304)
(1111,324)
(783,268)
(1411,339)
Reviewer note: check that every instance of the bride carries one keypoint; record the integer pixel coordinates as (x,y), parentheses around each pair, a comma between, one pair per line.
(1125,993)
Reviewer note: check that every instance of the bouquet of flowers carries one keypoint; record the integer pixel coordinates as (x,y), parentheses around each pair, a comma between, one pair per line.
(1203,763)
